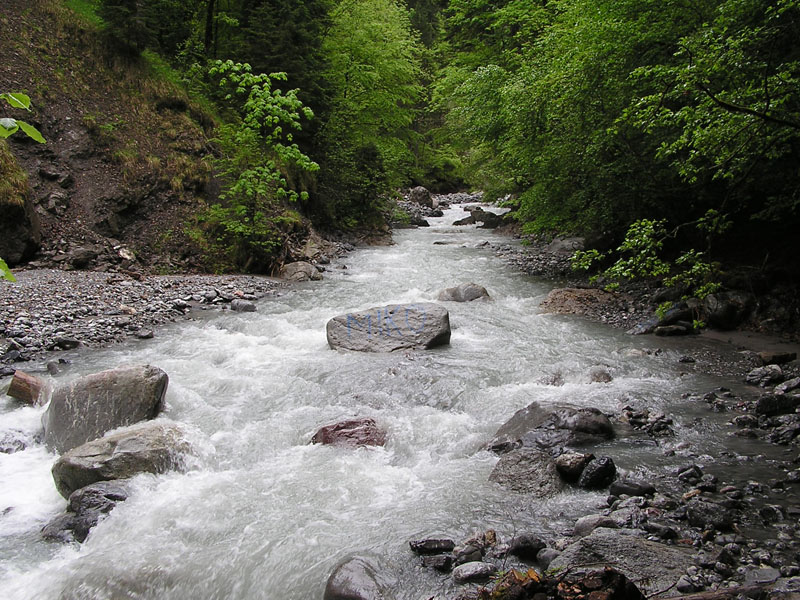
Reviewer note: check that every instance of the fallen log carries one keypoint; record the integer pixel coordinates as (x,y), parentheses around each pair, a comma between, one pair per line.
(28,388)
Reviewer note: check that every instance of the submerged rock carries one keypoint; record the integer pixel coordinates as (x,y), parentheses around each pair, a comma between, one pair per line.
(585,525)
(630,487)
(86,408)
(152,447)
(466,292)
(390,328)
(354,432)
(239,305)
(358,578)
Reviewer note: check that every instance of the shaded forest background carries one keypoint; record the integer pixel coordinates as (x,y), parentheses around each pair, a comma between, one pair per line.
(583,116)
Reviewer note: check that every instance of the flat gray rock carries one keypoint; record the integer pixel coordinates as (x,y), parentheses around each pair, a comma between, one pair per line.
(86,408)
(389,328)
(466,292)
(651,566)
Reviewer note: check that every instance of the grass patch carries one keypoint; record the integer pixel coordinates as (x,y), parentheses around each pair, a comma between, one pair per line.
(86,10)
(13,181)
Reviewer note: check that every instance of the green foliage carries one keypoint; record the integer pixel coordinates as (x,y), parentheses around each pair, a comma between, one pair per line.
(11,182)
(641,256)
(9,126)
(258,159)
(373,75)
(641,249)
(5,272)
(87,9)
(582,260)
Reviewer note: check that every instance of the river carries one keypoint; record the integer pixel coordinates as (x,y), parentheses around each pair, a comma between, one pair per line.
(262,514)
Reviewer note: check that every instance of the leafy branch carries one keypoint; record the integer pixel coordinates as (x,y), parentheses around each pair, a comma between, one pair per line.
(9,126)
(640,256)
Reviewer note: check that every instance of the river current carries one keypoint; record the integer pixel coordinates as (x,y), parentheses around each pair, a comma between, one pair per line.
(262,514)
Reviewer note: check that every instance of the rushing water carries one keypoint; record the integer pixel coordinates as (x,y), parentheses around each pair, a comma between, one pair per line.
(263,514)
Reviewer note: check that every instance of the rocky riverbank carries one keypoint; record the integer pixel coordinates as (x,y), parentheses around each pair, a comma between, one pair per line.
(49,310)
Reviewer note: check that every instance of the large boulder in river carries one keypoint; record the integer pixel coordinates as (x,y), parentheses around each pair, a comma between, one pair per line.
(487,219)
(300,271)
(86,408)
(528,471)
(358,578)
(538,427)
(389,328)
(152,447)
(466,292)
(420,195)
(653,566)
(354,432)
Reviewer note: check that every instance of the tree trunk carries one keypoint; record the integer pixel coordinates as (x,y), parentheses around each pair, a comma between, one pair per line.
(209,38)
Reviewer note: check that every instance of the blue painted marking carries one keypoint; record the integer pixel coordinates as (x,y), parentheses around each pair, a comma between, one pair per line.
(424,317)
(388,316)
(351,317)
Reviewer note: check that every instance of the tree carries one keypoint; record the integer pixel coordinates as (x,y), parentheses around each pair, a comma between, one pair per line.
(373,77)
(258,162)
(726,110)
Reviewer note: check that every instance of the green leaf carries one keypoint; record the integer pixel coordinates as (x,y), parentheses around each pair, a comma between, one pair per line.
(8,127)
(5,272)
(31,131)
(17,100)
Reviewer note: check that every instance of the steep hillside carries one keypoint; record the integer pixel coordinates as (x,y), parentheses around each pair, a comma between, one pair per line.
(127,159)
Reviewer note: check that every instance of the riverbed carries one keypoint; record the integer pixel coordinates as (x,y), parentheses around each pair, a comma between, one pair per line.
(262,514)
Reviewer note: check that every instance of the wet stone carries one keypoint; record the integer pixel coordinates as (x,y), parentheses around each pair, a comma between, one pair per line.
(466,554)
(439,562)
(598,474)
(526,546)
(432,546)
(473,572)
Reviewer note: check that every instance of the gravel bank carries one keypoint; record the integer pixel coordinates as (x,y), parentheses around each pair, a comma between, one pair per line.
(624,309)
(49,310)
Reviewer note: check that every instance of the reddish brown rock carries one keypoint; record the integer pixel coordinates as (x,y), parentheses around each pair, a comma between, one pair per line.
(354,432)
(28,389)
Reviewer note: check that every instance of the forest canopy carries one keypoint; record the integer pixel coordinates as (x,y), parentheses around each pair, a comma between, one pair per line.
(587,116)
